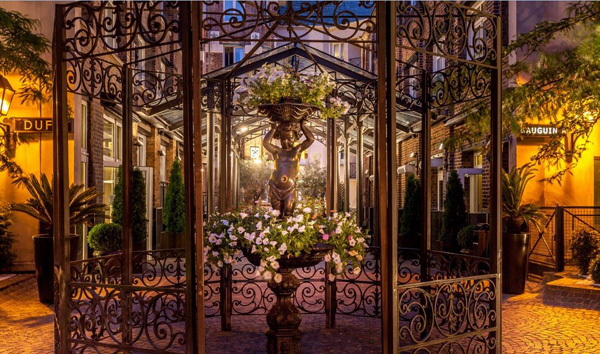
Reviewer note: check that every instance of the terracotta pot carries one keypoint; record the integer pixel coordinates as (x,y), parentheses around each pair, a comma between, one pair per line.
(43,252)
(515,262)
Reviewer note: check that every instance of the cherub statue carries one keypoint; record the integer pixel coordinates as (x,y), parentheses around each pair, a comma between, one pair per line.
(283,190)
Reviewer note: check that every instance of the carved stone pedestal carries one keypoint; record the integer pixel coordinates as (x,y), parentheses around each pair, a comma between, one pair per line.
(284,318)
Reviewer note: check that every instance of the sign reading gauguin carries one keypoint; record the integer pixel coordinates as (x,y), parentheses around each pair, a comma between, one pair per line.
(539,130)
(34,125)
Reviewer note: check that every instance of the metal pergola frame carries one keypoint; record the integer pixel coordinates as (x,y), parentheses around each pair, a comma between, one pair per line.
(380,28)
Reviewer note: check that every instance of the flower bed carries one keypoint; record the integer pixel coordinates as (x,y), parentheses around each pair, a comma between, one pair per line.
(264,233)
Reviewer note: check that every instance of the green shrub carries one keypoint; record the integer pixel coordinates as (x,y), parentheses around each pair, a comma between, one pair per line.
(410,222)
(585,248)
(174,209)
(465,236)
(595,270)
(7,257)
(106,238)
(138,211)
(454,217)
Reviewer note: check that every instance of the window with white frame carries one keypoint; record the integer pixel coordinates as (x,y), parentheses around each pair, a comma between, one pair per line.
(477,33)
(142,147)
(337,50)
(162,163)
(140,56)
(412,81)
(111,139)
(233,54)
(231,8)
(439,62)
(109,22)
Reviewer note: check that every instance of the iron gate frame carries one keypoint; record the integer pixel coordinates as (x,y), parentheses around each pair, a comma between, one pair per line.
(383,32)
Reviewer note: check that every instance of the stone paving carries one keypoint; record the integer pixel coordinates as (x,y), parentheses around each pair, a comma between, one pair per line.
(529,327)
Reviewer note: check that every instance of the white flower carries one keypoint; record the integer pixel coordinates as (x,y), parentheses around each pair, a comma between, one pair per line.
(356,270)
(241,230)
(284,232)
(259,240)
(266,249)
(352,243)
(282,248)
(219,264)
(219,241)
(338,230)
(243,215)
(215,253)
(278,278)
(302,228)
(206,250)
(227,259)
(265,241)
(331,277)
(233,238)
(267,275)
(273,243)
(275,265)
(259,225)
(360,239)
(275,212)
(212,238)
(327,258)
(339,268)
(253,249)
(232,244)
(225,222)
(307,210)
(271,259)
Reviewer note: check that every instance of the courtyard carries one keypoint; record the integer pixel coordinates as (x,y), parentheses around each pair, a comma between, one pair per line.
(528,326)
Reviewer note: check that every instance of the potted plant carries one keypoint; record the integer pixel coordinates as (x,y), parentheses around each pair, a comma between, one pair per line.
(174,210)
(6,239)
(595,270)
(105,238)
(83,208)
(454,217)
(138,207)
(466,238)
(410,221)
(585,248)
(516,216)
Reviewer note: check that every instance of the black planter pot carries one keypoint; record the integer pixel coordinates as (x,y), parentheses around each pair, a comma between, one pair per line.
(43,252)
(515,262)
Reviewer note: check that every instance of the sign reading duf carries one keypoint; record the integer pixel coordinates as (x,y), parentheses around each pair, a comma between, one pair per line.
(35,125)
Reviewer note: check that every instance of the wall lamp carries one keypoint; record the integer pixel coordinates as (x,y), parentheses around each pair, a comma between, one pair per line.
(6,95)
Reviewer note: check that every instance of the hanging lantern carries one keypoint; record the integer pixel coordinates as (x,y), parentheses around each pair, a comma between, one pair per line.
(6,95)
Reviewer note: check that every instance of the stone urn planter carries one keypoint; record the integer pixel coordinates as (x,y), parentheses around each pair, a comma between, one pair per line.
(284,317)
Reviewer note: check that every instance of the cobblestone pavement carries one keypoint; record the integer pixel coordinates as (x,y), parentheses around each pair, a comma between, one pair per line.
(530,327)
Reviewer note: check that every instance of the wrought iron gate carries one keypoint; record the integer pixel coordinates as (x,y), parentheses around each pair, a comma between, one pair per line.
(147,301)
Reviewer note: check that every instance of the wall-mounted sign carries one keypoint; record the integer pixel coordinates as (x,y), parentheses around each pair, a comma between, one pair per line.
(254,152)
(539,130)
(35,125)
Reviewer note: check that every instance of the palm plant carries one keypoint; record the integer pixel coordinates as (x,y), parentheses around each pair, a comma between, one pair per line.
(516,213)
(83,207)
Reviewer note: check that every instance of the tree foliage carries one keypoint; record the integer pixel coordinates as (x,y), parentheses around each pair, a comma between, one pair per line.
(174,209)
(410,222)
(312,182)
(21,50)
(455,215)
(554,86)
(138,206)
(254,180)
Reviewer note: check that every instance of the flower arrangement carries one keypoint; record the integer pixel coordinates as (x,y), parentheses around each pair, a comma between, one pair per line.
(272,83)
(262,232)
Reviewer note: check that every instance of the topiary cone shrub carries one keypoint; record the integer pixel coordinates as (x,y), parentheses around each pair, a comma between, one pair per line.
(410,222)
(585,248)
(105,238)
(174,208)
(455,215)
(138,212)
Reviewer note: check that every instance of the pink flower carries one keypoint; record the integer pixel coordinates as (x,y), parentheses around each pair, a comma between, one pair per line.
(349,237)
(325,237)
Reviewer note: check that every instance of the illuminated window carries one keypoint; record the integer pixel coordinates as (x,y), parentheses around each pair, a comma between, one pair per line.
(111,139)
(337,50)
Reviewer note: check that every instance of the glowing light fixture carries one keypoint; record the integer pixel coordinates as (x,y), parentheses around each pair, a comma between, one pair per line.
(6,95)
(244,129)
